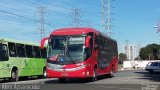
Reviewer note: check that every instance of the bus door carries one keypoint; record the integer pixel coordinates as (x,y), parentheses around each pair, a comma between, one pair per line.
(4,66)
(36,64)
(21,62)
(102,55)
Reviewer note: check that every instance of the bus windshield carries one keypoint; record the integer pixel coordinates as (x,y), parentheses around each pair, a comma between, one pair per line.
(66,49)
(3,52)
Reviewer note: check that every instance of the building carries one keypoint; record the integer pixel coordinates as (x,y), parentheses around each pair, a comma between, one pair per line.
(131,52)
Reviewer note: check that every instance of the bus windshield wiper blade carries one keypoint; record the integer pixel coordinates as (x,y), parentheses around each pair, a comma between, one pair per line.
(66,50)
(70,58)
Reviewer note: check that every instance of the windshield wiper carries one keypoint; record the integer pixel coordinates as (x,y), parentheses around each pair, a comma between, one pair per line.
(66,50)
(70,58)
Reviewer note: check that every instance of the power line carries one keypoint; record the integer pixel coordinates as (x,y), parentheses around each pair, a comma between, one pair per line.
(54,5)
(33,4)
(37,5)
(46,9)
(19,5)
(87,3)
(16,15)
(86,11)
(69,4)
(89,13)
(21,16)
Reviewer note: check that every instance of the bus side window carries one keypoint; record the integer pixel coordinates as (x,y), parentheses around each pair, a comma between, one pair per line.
(43,53)
(20,50)
(29,51)
(12,49)
(37,51)
(100,42)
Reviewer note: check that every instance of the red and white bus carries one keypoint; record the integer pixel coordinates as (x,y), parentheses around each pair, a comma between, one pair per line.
(80,53)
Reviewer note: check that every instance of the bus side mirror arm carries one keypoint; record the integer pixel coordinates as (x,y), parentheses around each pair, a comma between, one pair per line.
(43,42)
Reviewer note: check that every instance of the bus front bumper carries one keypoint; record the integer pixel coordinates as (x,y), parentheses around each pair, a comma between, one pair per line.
(64,73)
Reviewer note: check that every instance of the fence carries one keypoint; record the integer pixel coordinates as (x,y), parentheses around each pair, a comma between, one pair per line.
(136,64)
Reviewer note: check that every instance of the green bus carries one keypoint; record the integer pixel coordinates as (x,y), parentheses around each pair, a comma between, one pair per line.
(21,59)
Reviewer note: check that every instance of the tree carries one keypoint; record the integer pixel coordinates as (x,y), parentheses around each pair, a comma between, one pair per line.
(150,52)
(122,57)
(137,58)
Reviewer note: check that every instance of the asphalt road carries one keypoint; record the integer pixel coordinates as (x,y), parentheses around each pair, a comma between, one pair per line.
(123,80)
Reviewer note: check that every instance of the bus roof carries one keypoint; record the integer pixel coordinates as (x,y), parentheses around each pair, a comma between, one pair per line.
(18,41)
(78,31)
(73,31)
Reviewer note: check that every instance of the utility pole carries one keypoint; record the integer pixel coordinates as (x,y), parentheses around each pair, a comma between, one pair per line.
(106,17)
(76,18)
(42,21)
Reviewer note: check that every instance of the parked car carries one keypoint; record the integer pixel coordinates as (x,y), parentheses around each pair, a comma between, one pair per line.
(153,67)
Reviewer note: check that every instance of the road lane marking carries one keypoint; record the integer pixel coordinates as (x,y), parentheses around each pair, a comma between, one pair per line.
(117,88)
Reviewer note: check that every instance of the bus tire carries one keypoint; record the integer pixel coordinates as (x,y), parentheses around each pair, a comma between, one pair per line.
(94,78)
(62,80)
(14,75)
(44,74)
(110,75)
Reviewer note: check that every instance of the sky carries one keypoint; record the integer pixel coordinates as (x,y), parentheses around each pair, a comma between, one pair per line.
(132,21)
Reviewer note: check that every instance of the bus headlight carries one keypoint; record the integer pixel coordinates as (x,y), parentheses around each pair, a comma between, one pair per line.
(82,66)
(49,66)
(53,66)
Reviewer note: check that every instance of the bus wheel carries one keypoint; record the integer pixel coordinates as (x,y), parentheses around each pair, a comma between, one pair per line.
(44,74)
(94,78)
(62,80)
(14,76)
(111,73)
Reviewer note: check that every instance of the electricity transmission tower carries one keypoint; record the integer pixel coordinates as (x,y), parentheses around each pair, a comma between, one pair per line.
(106,17)
(158,30)
(76,17)
(42,11)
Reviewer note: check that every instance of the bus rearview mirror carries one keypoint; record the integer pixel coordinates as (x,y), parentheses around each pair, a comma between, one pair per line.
(43,42)
(87,43)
